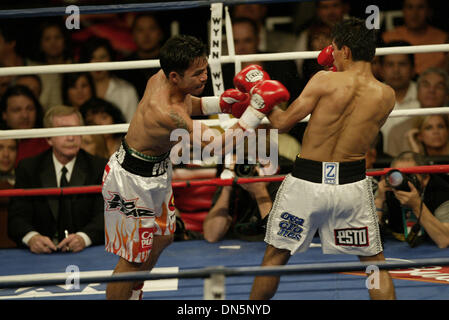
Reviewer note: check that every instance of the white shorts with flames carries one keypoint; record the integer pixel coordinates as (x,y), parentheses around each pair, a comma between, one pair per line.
(135,209)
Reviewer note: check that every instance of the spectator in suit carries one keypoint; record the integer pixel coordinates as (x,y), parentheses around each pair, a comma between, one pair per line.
(41,222)
(107,85)
(417,31)
(8,154)
(20,109)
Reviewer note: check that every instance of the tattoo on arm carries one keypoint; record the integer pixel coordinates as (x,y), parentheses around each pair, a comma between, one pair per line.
(179,121)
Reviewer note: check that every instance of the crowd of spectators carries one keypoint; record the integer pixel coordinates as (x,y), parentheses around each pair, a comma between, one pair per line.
(112,97)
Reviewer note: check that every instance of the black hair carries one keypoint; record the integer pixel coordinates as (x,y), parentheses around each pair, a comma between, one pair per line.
(249,21)
(148,15)
(97,105)
(69,80)
(92,44)
(179,52)
(354,34)
(19,90)
(400,43)
(67,52)
(419,159)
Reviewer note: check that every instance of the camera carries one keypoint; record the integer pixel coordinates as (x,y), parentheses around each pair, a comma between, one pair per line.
(245,170)
(399,181)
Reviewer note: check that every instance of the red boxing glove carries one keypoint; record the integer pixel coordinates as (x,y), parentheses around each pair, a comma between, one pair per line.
(247,78)
(264,97)
(268,94)
(326,58)
(234,102)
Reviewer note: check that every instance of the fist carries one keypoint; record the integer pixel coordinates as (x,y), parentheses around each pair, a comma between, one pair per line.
(264,97)
(267,94)
(326,58)
(234,102)
(247,78)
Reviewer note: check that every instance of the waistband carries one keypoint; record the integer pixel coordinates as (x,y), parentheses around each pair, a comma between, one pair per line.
(140,164)
(329,172)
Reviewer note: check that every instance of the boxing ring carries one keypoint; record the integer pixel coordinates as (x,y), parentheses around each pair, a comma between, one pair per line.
(195,269)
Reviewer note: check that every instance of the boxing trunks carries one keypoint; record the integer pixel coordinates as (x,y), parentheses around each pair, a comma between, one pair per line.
(334,198)
(138,202)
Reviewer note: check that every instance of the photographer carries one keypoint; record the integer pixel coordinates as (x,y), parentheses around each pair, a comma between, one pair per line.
(240,211)
(426,201)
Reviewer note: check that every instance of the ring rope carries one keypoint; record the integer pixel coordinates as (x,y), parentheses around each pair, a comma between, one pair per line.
(132,7)
(115,128)
(203,182)
(154,63)
(313,268)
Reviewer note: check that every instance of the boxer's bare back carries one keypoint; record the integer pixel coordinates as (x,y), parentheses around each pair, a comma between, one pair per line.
(346,111)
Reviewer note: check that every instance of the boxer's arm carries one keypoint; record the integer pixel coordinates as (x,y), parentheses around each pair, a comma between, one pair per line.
(196,106)
(302,106)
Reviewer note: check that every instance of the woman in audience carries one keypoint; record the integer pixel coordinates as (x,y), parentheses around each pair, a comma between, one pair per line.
(20,109)
(108,86)
(95,144)
(430,135)
(53,48)
(98,111)
(77,88)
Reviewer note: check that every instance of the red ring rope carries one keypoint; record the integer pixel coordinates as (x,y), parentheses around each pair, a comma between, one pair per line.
(196,183)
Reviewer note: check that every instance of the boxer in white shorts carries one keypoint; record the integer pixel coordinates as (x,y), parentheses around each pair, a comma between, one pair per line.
(327,190)
(139,207)
(138,201)
(334,198)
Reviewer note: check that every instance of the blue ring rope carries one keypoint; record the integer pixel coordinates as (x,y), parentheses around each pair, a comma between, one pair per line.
(314,268)
(133,7)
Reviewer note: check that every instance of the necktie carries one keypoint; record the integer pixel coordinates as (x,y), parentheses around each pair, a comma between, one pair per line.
(64,216)
(63,181)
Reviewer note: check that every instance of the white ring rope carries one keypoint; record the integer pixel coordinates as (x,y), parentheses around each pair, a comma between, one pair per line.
(115,128)
(140,64)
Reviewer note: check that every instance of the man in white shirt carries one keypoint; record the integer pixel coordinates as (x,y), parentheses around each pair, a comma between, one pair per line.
(51,223)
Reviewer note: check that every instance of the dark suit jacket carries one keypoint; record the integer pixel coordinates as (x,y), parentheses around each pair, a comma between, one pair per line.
(40,213)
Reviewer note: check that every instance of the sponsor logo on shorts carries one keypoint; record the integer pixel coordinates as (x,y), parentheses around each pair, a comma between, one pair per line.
(356,237)
(330,172)
(160,168)
(171,203)
(145,238)
(127,207)
(291,226)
